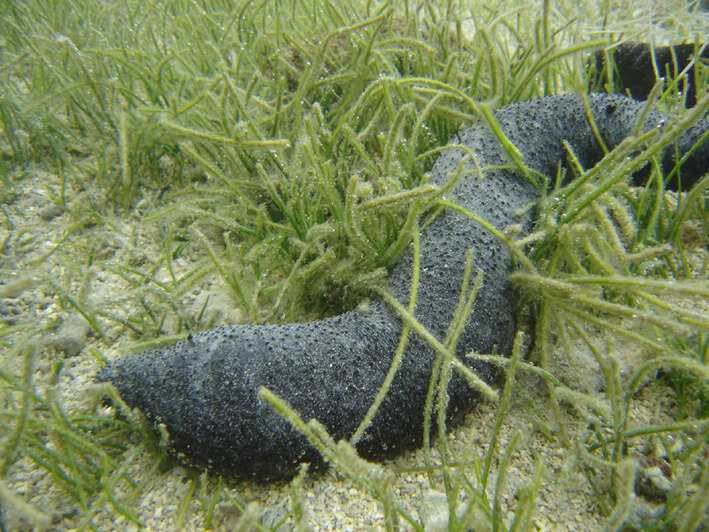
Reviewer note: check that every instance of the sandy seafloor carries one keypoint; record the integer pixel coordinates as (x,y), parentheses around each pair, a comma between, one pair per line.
(35,225)
(564,502)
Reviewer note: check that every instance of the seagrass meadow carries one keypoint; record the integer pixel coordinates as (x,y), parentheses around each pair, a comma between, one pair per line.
(170,166)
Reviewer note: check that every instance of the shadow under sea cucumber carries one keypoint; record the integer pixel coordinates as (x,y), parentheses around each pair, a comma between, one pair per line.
(204,389)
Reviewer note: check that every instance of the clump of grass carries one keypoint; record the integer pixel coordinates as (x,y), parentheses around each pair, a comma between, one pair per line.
(606,260)
(85,454)
(288,143)
(259,127)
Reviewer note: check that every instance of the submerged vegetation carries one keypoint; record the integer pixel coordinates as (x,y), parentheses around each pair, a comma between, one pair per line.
(277,151)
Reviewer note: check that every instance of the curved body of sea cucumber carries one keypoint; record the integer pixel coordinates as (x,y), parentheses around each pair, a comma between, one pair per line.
(204,389)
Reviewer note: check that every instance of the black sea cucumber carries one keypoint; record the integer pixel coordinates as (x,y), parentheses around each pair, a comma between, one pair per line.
(635,66)
(204,389)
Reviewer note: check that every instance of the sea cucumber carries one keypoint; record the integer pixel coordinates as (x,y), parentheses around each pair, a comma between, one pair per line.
(636,64)
(204,389)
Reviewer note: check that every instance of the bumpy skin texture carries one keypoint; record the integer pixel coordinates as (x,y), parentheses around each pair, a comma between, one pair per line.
(204,389)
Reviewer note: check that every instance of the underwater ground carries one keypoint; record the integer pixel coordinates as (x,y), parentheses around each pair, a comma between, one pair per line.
(172,166)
